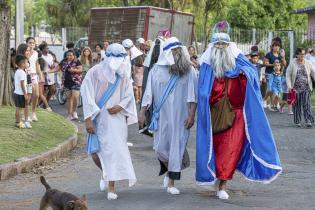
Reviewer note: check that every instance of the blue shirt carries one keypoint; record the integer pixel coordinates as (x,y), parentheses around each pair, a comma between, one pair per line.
(271,57)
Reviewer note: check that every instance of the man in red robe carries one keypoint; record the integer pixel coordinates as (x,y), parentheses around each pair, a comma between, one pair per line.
(225,71)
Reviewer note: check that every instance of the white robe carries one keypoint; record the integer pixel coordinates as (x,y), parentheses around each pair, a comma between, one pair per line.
(171,138)
(112,130)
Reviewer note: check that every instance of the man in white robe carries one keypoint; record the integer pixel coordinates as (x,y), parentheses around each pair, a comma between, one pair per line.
(113,119)
(177,114)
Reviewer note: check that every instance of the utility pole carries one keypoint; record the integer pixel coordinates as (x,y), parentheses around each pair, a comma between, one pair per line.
(19,25)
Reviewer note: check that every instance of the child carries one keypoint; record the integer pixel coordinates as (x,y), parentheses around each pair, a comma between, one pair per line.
(277,85)
(138,70)
(20,92)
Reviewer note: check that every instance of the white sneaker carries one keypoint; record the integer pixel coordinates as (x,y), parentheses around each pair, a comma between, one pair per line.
(27,124)
(265,104)
(173,190)
(20,125)
(34,117)
(166,181)
(70,117)
(112,196)
(29,119)
(75,116)
(278,106)
(103,185)
(222,194)
(129,144)
(49,109)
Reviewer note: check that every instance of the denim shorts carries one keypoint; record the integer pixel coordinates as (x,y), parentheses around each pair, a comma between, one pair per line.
(74,87)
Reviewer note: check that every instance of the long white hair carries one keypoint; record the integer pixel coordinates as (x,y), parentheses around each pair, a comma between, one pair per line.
(221,59)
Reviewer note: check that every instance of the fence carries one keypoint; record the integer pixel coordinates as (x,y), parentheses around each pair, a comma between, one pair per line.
(57,38)
(246,38)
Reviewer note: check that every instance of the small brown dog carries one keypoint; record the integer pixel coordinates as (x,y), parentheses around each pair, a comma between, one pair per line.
(61,200)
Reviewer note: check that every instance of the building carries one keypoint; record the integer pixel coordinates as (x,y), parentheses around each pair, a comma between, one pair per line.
(310,11)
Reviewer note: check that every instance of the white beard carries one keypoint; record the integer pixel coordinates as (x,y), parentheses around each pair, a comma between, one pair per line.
(221,60)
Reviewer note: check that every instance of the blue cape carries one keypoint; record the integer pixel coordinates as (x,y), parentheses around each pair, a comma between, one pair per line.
(259,159)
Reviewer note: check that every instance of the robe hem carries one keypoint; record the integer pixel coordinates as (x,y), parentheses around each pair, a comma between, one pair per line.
(260,160)
(131,182)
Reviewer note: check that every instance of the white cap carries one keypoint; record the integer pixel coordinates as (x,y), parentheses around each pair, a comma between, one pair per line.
(141,41)
(127,43)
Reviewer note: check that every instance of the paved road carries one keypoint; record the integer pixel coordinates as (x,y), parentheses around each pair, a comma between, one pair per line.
(294,189)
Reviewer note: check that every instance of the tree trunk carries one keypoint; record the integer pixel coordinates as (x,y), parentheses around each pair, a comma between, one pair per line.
(205,29)
(5,74)
(125,2)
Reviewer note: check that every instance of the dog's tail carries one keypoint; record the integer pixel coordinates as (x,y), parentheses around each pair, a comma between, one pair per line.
(43,181)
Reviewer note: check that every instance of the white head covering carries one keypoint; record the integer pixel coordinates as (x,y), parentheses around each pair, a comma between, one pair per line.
(141,41)
(147,60)
(115,61)
(166,57)
(127,43)
(205,58)
(135,52)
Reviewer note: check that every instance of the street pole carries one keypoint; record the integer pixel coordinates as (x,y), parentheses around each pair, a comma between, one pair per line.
(19,29)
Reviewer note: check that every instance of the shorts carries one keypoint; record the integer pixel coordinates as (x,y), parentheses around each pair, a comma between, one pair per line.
(29,88)
(19,101)
(34,79)
(74,87)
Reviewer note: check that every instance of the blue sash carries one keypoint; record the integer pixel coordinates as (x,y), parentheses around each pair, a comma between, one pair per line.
(157,107)
(93,144)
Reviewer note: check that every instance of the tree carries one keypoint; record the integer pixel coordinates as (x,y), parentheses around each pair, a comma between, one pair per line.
(5,76)
(263,14)
(216,7)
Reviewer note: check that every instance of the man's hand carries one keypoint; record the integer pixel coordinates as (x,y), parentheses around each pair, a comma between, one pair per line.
(115,109)
(89,126)
(141,118)
(189,122)
(26,97)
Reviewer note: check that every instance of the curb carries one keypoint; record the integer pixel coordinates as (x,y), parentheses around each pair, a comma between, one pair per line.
(25,164)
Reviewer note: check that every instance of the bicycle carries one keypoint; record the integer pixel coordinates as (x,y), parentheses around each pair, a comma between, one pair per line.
(62,98)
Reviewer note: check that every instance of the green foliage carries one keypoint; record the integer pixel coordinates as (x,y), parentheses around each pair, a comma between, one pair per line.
(245,14)
(305,44)
(266,14)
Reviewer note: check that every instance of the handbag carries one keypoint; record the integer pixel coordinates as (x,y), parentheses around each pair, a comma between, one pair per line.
(222,115)
(93,144)
(291,97)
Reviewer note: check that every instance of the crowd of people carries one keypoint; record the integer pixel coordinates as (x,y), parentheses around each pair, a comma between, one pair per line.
(171,84)
(42,75)
(284,84)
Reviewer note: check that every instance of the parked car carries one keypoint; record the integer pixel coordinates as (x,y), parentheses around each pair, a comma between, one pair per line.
(81,43)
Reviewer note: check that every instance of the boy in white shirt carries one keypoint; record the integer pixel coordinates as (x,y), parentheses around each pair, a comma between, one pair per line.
(20,93)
